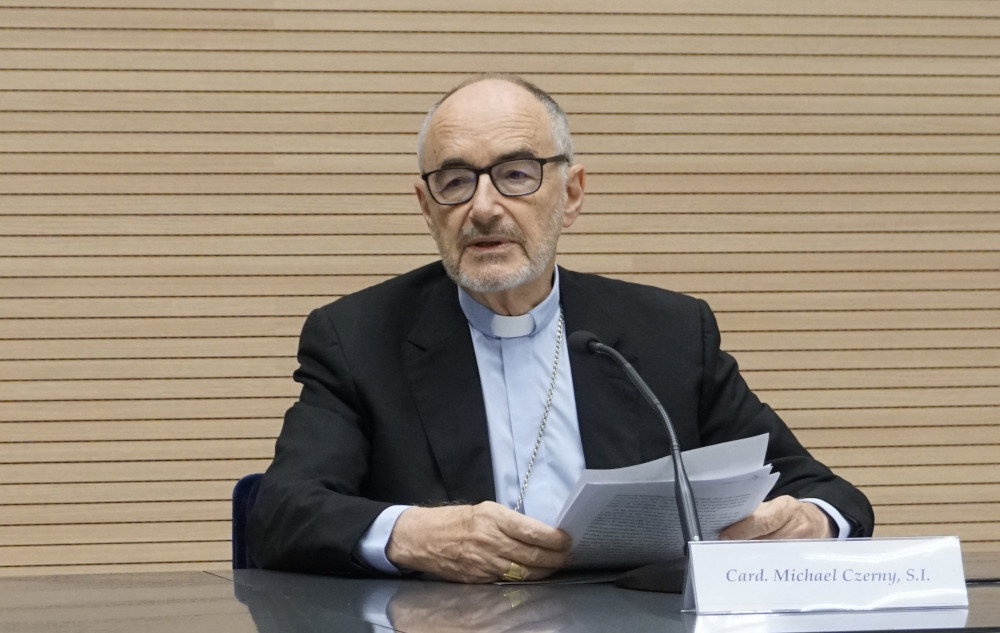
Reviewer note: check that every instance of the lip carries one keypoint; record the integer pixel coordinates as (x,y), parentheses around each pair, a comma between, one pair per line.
(489,243)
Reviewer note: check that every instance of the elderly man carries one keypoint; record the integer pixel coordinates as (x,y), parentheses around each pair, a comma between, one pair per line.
(443,420)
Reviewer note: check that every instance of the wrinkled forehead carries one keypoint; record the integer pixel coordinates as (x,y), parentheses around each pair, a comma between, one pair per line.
(486,120)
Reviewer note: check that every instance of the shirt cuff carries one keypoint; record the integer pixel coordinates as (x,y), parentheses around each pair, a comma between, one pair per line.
(371,547)
(843,528)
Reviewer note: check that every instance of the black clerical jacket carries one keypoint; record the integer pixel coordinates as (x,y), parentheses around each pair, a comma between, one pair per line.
(391,410)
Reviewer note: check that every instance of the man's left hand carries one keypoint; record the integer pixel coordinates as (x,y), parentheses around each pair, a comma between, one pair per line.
(781,517)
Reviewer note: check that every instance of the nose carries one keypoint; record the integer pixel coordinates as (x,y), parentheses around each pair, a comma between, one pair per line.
(486,200)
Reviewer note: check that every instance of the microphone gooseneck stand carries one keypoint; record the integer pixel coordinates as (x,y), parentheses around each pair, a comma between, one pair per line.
(665,576)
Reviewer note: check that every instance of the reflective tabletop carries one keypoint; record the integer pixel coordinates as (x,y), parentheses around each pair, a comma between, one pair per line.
(275,602)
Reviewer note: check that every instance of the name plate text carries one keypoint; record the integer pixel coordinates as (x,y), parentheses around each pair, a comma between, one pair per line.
(826,575)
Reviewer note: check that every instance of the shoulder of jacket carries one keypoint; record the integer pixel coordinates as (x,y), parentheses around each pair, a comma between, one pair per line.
(617,290)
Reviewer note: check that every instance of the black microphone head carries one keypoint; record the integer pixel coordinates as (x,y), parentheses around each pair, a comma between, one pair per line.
(582,340)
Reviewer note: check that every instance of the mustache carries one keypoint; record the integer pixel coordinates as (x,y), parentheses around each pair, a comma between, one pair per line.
(494,230)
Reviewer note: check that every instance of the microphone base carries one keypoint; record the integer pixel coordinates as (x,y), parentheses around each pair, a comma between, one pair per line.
(662,577)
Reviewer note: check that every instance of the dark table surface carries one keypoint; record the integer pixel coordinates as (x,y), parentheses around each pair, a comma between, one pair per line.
(274,602)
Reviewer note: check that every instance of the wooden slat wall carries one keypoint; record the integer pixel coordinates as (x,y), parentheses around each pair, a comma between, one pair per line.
(179,186)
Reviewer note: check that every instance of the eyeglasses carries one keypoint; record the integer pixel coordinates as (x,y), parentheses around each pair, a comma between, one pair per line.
(519,177)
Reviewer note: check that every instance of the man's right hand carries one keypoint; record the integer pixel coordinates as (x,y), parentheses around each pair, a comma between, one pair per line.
(476,544)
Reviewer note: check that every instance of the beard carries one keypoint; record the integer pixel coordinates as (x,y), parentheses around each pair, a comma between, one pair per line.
(495,273)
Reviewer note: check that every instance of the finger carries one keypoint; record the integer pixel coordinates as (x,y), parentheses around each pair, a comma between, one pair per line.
(519,537)
(487,547)
(742,530)
(466,543)
(447,542)
(537,573)
(510,549)
(790,530)
(807,521)
(767,519)
(533,532)
(531,556)
(511,571)
(519,573)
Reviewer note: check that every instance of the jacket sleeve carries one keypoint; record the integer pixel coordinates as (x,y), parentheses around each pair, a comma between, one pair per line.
(309,512)
(730,410)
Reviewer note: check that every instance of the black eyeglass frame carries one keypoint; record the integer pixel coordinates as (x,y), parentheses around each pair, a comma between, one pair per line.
(558,158)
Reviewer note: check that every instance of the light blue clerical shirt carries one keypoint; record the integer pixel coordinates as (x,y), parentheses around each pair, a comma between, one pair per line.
(516,355)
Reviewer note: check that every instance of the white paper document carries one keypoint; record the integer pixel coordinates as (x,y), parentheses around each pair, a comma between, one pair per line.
(627,517)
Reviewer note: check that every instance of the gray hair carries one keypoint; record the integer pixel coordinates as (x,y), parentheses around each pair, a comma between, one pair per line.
(559,124)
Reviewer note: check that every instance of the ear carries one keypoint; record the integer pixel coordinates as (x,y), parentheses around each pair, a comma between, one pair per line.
(576,177)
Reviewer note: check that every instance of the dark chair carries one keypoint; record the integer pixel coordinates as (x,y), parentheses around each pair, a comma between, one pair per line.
(244,495)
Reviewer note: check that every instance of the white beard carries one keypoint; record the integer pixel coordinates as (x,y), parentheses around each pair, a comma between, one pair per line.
(495,281)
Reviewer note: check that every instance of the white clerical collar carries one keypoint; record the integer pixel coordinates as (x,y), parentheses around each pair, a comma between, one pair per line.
(500,326)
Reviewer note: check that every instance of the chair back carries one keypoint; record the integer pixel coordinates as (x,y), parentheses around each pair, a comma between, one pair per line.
(244,495)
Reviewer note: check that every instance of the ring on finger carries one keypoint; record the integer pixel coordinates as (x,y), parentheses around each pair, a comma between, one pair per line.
(514,573)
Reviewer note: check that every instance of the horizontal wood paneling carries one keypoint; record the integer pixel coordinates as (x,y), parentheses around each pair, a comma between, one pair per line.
(763,123)
(686,282)
(469,42)
(128,513)
(112,492)
(145,246)
(922,475)
(763,8)
(383,266)
(135,472)
(705,105)
(411,224)
(940,23)
(144,430)
(180,186)
(434,83)
(139,532)
(143,553)
(635,202)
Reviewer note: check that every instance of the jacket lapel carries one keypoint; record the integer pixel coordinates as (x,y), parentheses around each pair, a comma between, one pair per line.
(607,404)
(440,363)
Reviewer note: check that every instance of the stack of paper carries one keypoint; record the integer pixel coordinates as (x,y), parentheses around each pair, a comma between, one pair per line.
(627,517)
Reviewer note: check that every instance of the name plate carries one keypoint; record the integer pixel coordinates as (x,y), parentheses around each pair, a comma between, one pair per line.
(825,575)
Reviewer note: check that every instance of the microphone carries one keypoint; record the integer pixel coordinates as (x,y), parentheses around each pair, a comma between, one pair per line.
(588,342)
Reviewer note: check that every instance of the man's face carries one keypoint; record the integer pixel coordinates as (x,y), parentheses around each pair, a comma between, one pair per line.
(494,242)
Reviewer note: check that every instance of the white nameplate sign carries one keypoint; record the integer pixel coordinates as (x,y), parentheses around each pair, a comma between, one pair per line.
(825,575)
